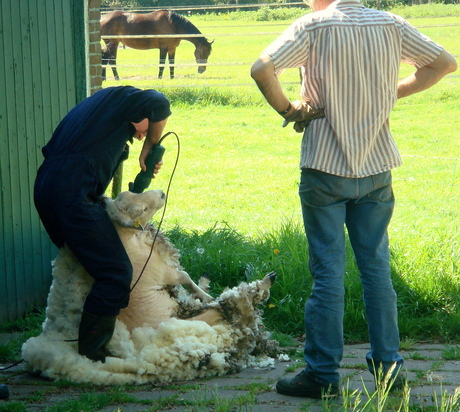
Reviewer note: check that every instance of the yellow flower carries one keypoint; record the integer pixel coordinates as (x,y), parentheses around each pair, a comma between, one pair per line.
(276,251)
(271,305)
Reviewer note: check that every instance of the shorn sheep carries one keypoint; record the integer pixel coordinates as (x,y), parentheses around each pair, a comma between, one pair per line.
(167,332)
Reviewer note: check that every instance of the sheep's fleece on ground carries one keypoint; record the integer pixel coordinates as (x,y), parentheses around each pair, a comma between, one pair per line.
(166,333)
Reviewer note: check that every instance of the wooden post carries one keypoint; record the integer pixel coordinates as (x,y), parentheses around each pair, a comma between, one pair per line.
(117,181)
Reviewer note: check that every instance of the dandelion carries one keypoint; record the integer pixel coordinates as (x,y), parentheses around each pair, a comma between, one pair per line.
(276,251)
(271,305)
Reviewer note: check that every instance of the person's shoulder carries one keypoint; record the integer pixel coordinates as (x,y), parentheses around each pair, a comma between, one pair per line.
(385,14)
(308,20)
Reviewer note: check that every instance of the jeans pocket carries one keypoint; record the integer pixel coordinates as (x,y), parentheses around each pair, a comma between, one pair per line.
(320,189)
(383,190)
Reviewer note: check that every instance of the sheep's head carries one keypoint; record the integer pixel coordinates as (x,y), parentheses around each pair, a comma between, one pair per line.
(135,209)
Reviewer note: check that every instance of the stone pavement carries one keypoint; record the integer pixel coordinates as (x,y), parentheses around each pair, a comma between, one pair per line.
(252,389)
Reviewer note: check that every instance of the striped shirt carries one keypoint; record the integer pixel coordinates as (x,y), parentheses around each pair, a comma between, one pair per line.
(350,56)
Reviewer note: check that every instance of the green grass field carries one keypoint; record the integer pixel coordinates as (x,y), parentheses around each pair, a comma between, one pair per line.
(233,208)
(234,194)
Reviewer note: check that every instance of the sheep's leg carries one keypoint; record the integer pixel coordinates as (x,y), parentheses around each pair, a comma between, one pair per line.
(268,281)
(262,291)
(185,280)
(203,283)
(241,303)
(210,316)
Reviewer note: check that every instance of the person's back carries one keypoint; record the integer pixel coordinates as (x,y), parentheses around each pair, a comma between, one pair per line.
(350,57)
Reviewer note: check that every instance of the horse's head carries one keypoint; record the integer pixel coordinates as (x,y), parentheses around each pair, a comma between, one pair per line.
(202,53)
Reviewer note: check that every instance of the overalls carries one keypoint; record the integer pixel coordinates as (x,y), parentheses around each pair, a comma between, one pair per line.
(80,160)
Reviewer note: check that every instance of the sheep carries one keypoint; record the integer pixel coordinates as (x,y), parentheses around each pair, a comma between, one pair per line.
(167,333)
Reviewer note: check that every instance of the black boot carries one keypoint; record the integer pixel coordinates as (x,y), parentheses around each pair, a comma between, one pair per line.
(4,392)
(94,334)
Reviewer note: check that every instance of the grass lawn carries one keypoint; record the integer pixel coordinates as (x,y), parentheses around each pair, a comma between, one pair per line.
(234,192)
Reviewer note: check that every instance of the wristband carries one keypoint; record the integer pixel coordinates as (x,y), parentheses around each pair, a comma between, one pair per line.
(286,111)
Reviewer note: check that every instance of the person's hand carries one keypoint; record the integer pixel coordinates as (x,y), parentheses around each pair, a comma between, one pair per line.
(157,168)
(143,158)
(302,114)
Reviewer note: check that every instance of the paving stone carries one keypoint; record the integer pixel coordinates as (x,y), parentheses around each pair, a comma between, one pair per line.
(430,378)
(125,408)
(153,395)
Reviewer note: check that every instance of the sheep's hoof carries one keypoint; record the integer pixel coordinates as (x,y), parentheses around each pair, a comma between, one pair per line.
(271,277)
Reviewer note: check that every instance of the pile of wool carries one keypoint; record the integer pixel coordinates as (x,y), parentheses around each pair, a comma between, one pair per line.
(177,349)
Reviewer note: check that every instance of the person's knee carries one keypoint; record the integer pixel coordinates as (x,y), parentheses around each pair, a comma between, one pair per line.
(126,280)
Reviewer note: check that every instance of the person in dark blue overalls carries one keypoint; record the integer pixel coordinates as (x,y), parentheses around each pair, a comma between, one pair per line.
(80,160)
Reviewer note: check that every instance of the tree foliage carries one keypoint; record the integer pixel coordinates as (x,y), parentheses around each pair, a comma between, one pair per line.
(127,4)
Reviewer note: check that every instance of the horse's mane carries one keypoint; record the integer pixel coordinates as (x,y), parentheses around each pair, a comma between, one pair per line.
(186,25)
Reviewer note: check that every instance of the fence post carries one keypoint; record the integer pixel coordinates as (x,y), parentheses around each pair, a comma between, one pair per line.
(117,181)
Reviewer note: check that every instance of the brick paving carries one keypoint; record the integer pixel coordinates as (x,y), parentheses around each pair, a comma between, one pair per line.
(252,389)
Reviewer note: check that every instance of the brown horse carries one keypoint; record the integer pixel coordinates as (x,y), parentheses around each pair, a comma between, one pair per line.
(119,23)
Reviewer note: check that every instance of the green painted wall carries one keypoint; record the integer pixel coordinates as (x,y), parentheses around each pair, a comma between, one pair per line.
(42,76)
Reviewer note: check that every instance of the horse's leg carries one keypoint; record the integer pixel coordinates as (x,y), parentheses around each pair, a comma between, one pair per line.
(113,62)
(105,61)
(171,55)
(163,53)
(109,57)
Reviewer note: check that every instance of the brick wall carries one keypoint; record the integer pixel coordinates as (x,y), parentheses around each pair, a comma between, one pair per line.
(95,70)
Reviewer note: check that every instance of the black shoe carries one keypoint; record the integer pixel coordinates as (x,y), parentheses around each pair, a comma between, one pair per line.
(303,385)
(4,392)
(94,334)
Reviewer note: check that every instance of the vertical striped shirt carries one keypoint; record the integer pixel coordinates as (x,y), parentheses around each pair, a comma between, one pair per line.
(349,57)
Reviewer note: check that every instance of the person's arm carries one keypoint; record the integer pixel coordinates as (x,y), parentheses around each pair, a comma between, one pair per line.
(263,73)
(428,75)
(154,134)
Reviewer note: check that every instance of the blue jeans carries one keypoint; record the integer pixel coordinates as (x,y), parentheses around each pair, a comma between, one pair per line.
(365,206)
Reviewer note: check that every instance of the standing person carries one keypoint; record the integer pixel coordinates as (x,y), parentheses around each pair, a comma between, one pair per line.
(80,160)
(349,56)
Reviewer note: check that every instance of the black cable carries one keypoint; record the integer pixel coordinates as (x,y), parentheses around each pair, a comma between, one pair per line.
(159,224)
(164,209)
(4,368)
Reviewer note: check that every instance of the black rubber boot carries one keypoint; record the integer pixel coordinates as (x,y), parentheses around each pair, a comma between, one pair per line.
(4,392)
(94,334)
